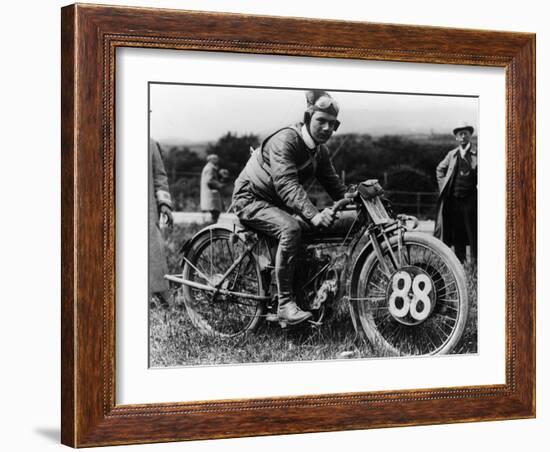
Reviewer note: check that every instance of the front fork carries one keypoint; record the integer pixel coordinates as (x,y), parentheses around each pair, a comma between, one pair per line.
(377,237)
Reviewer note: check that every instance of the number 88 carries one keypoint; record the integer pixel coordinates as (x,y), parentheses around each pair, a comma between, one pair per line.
(410,304)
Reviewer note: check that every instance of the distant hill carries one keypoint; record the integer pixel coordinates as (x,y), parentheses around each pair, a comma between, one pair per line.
(198,148)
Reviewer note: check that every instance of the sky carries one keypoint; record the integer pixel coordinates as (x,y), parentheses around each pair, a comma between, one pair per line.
(197,113)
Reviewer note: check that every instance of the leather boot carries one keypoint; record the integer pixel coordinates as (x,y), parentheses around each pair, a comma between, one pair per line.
(289,313)
(285,262)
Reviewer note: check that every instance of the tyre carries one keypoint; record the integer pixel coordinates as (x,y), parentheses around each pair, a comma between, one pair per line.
(417,307)
(209,257)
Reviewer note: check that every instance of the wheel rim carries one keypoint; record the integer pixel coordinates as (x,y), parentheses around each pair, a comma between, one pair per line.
(221,314)
(423,336)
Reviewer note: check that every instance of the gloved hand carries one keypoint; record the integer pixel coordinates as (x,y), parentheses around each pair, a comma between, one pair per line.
(324,218)
(224,175)
(166,215)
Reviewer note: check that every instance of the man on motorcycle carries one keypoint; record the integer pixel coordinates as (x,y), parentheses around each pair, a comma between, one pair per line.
(270,197)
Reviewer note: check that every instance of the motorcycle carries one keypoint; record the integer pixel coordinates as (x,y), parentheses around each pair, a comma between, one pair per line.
(405,290)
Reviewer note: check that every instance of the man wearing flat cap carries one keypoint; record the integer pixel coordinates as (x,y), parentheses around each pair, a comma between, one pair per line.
(270,197)
(456,221)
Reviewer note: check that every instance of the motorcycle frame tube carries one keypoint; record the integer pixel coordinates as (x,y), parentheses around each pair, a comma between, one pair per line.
(196,285)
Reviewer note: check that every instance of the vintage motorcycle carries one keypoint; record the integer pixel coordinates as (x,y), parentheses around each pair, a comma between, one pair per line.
(405,290)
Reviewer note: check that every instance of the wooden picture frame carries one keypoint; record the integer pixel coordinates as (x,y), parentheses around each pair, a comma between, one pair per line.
(90,37)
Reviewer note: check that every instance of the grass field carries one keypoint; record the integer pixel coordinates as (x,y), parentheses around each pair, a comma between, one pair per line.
(174,341)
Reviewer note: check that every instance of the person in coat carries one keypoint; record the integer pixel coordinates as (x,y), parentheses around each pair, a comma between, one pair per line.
(456,221)
(160,209)
(269,194)
(211,183)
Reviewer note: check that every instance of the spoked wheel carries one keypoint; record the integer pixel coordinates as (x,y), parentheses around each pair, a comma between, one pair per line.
(209,258)
(417,305)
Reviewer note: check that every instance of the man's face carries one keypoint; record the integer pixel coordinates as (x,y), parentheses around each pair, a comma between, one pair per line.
(463,137)
(321,126)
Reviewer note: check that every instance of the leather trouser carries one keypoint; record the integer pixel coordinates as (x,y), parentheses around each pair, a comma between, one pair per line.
(287,229)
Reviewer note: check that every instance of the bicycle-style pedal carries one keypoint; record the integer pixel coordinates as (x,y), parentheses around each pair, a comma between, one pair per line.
(271,317)
(282,323)
(287,326)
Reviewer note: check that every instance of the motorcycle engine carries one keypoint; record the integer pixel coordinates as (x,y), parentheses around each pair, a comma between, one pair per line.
(318,280)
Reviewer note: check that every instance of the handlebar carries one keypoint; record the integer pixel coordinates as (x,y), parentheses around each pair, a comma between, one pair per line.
(340,204)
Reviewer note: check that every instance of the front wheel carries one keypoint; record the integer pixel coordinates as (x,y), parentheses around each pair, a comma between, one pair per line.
(416,303)
(210,256)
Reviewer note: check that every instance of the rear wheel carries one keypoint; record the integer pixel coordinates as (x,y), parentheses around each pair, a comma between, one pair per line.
(417,307)
(209,257)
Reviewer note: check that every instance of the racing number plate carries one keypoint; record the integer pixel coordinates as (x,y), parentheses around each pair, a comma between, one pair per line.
(410,295)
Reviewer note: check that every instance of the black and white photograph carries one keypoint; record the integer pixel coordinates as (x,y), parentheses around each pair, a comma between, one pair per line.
(265,226)
(308,223)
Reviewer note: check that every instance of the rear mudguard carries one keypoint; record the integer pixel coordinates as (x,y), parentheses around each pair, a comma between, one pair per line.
(263,261)
(206,230)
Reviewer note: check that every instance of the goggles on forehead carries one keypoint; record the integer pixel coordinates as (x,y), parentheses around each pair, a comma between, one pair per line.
(327,104)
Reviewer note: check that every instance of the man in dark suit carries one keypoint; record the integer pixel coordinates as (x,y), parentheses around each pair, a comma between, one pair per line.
(456,221)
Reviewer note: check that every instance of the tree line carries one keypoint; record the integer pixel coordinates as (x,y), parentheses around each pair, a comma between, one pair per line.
(400,162)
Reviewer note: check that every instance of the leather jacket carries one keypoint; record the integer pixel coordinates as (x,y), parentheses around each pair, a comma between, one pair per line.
(278,169)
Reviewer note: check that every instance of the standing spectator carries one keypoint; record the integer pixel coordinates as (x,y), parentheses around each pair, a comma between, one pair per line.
(160,209)
(211,182)
(456,222)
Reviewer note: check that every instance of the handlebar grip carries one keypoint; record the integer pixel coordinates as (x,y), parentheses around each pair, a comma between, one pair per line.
(340,204)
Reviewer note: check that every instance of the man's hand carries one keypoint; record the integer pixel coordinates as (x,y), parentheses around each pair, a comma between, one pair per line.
(323,219)
(166,215)
(224,175)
